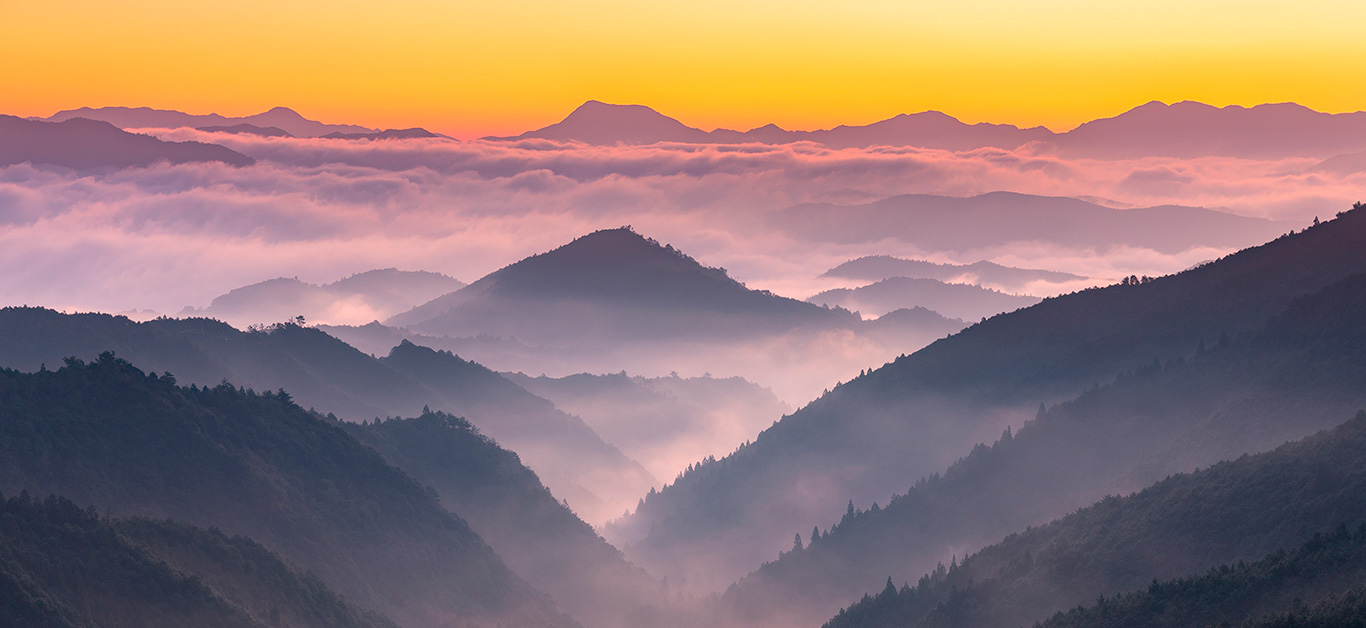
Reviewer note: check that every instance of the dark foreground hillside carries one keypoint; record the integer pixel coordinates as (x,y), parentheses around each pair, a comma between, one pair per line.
(63,566)
(130,443)
(1233,511)
(874,436)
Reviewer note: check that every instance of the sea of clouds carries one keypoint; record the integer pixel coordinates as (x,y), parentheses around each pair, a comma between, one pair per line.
(165,237)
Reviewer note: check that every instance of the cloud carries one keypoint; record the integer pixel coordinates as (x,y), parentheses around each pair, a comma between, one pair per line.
(169,236)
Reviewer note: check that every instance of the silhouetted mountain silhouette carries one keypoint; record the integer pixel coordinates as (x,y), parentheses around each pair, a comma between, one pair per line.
(879,267)
(144,117)
(387,134)
(356,299)
(940,223)
(1184,129)
(110,435)
(962,301)
(248,129)
(915,415)
(1192,129)
(611,284)
(83,144)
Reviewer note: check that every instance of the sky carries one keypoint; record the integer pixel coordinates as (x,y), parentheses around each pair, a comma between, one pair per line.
(470,69)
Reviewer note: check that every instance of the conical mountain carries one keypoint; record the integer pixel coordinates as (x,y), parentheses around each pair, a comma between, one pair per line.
(613,284)
(603,124)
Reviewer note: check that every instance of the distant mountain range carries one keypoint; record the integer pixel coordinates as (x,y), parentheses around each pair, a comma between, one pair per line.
(879,267)
(86,145)
(1183,129)
(248,129)
(281,118)
(357,299)
(951,223)
(916,415)
(955,300)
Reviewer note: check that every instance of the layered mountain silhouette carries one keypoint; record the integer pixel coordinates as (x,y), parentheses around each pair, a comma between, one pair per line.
(144,118)
(356,299)
(1191,129)
(68,567)
(109,435)
(611,285)
(1184,129)
(667,423)
(325,373)
(248,129)
(387,134)
(955,300)
(1283,501)
(506,504)
(1300,373)
(84,145)
(950,223)
(603,124)
(983,273)
(913,416)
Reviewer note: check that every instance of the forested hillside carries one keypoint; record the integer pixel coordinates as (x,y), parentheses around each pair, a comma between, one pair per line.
(872,437)
(1232,511)
(506,504)
(64,566)
(132,443)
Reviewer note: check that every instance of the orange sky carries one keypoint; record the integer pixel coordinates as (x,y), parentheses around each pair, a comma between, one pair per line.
(470,69)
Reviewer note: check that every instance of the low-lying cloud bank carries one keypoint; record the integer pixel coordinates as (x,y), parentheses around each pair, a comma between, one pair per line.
(166,237)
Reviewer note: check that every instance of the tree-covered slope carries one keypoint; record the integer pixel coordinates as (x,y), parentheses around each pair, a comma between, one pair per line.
(1302,372)
(506,504)
(869,438)
(326,374)
(1328,571)
(109,435)
(1231,511)
(61,565)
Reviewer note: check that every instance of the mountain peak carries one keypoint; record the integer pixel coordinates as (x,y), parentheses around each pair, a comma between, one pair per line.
(603,124)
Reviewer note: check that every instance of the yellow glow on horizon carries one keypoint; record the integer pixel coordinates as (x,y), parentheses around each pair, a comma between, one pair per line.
(470,69)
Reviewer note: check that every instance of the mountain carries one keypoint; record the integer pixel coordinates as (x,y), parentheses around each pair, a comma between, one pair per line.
(928,129)
(538,536)
(1184,129)
(121,440)
(1321,572)
(602,124)
(82,144)
(357,299)
(871,437)
(983,273)
(953,300)
(611,285)
(666,423)
(596,478)
(247,129)
(387,134)
(146,118)
(64,566)
(1190,129)
(325,373)
(937,223)
(1300,373)
(1233,511)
